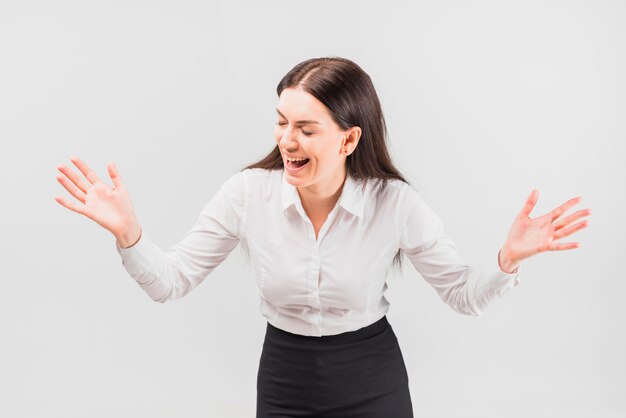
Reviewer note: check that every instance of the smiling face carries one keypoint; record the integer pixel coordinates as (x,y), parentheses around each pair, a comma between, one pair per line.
(306,129)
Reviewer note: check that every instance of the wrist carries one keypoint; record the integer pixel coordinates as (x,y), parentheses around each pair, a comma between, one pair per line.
(505,262)
(129,237)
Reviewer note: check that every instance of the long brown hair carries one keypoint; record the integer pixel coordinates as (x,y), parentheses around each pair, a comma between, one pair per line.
(348,93)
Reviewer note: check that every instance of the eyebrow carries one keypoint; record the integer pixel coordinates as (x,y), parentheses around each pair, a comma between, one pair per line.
(299,122)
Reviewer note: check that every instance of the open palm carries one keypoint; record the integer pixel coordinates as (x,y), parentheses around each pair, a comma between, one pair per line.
(528,237)
(110,207)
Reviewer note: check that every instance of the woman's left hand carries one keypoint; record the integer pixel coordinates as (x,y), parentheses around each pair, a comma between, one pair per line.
(528,237)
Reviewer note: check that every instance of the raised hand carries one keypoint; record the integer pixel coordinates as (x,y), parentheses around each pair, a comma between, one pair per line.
(528,237)
(110,207)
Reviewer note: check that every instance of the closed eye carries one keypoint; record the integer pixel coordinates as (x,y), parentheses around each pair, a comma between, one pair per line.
(305,133)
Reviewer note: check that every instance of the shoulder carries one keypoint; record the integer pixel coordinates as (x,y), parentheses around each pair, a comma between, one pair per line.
(393,191)
(253,181)
(261,174)
(247,176)
(261,178)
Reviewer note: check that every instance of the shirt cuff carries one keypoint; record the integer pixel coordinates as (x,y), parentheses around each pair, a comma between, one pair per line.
(138,259)
(502,280)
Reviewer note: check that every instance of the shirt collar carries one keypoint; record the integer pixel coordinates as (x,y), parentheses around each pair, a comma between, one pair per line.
(351,198)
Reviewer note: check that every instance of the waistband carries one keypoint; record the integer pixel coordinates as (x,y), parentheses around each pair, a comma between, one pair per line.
(345,337)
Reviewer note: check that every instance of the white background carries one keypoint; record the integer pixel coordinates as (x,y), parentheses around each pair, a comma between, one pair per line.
(484,100)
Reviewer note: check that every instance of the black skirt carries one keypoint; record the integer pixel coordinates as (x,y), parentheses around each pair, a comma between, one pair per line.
(353,374)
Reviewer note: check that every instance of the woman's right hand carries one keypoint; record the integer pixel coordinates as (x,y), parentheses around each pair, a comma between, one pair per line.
(110,207)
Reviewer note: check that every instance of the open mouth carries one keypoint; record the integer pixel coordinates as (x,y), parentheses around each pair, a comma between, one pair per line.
(296,165)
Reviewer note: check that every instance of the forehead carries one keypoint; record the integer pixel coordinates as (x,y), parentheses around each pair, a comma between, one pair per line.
(298,104)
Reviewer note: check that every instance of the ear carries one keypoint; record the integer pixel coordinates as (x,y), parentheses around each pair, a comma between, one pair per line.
(351,140)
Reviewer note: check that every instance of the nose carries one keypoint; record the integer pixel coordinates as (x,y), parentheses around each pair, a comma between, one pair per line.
(288,139)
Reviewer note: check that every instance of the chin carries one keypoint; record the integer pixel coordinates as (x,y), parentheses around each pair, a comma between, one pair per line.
(299,181)
(295,181)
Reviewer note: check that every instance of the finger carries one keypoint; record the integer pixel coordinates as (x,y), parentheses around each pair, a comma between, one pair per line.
(571,218)
(570,230)
(559,246)
(115,175)
(87,172)
(70,205)
(564,207)
(70,174)
(530,203)
(70,187)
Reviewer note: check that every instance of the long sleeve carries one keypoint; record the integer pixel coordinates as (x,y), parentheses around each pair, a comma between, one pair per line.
(468,290)
(173,274)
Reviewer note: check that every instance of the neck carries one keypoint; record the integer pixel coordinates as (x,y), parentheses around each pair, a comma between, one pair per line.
(322,195)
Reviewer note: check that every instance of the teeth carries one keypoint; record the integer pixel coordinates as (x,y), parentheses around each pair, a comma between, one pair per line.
(295,159)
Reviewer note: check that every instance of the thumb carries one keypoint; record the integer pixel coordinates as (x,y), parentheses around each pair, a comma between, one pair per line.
(530,203)
(115,175)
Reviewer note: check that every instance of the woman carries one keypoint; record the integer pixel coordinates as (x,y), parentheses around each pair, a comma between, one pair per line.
(322,216)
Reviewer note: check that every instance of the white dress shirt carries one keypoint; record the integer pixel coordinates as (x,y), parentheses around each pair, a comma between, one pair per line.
(324,286)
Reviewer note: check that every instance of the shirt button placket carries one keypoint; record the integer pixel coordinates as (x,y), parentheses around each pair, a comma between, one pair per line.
(316,284)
